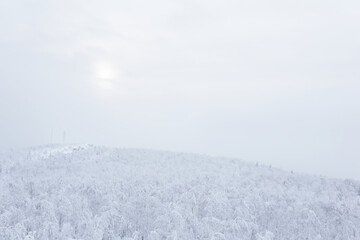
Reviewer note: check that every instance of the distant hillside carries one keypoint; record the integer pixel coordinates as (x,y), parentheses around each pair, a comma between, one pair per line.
(89,192)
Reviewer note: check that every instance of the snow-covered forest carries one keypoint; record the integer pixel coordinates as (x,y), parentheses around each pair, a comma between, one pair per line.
(90,192)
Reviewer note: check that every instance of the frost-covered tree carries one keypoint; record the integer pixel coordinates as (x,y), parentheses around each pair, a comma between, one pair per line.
(87,192)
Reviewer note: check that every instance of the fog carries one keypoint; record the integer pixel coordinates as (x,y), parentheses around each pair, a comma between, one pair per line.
(275,82)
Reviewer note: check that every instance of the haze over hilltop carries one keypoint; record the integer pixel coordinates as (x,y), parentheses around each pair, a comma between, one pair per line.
(274,81)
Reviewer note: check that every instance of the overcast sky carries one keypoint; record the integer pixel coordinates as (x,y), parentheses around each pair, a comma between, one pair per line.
(275,82)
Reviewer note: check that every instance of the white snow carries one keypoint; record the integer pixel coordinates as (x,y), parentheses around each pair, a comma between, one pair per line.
(90,192)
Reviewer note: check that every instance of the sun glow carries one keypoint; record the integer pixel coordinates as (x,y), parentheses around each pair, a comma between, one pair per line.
(105,78)
(105,71)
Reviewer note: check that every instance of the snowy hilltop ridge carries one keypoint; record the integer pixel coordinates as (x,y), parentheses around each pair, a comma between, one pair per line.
(90,192)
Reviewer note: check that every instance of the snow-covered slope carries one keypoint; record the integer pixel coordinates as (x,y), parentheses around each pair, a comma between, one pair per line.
(89,192)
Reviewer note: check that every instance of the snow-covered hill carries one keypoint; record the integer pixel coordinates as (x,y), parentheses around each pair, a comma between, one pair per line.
(89,192)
